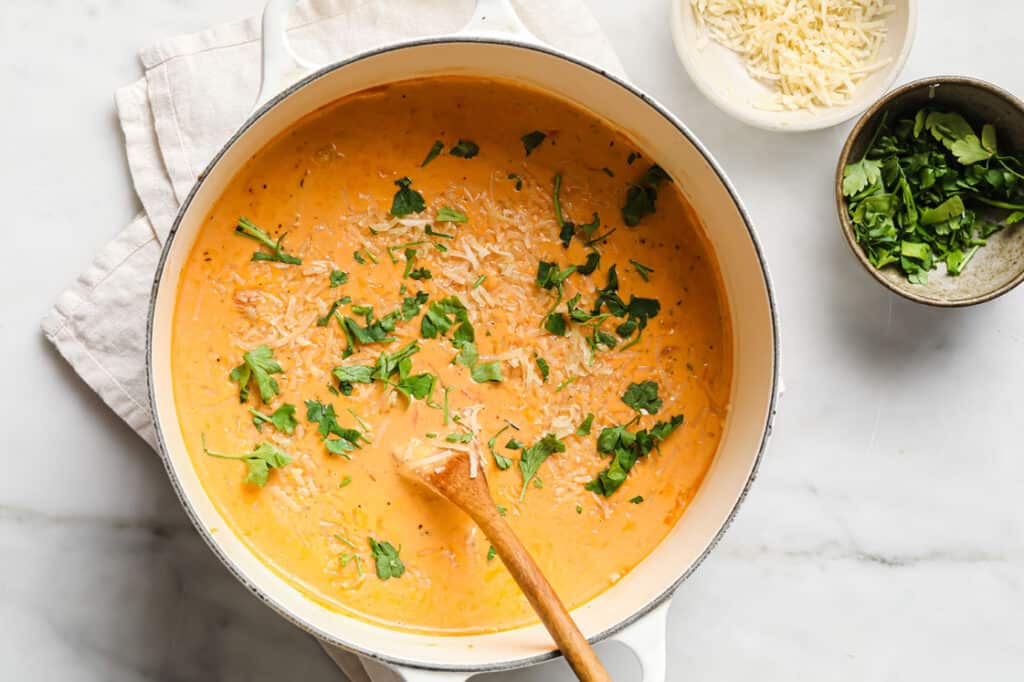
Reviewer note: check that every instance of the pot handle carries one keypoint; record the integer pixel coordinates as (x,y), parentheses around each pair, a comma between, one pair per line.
(646,639)
(379,672)
(281,66)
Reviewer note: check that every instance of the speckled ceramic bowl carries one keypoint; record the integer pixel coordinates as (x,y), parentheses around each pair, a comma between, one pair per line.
(997,267)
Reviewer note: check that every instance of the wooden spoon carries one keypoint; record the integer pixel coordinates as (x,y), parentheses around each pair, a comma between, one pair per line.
(450,478)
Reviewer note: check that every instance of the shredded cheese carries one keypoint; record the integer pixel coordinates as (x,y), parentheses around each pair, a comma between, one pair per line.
(813,53)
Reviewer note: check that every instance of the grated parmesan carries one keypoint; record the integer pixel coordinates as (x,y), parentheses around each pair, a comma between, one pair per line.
(813,53)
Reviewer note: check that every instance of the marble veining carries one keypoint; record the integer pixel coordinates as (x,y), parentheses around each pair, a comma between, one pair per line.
(883,539)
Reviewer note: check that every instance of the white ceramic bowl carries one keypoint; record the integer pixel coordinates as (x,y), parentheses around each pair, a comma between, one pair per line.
(721,76)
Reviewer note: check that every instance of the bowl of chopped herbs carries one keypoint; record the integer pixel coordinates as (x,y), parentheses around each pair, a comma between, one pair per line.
(930,191)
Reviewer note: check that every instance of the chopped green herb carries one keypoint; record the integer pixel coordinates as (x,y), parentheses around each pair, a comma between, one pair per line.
(385,556)
(459,437)
(486,371)
(363,425)
(643,397)
(430,435)
(535,455)
(465,149)
(637,500)
(338,278)
(325,320)
(259,462)
(501,510)
(555,323)
(246,228)
(282,419)
(501,461)
(542,365)
(345,481)
(479,280)
(411,305)
(346,559)
(642,195)
(406,200)
(359,257)
(531,140)
(491,553)
(584,428)
(600,238)
(519,181)
(642,270)
(327,425)
(593,260)
(434,233)
(447,214)
(579,509)
(565,383)
(625,448)
(514,444)
(432,154)
(258,364)
(913,199)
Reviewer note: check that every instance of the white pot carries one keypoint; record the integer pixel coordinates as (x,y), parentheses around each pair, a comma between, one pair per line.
(496,46)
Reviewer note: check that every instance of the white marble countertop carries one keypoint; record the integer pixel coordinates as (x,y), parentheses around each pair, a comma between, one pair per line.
(883,540)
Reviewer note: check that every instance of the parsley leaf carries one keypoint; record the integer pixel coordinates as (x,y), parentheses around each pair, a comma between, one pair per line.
(531,140)
(258,364)
(447,214)
(642,270)
(643,397)
(584,428)
(642,195)
(406,200)
(915,199)
(501,461)
(555,323)
(325,320)
(486,371)
(435,149)
(535,455)
(625,448)
(327,425)
(465,149)
(338,278)
(259,462)
(542,365)
(411,305)
(282,419)
(246,228)
(385,556)
(593,260)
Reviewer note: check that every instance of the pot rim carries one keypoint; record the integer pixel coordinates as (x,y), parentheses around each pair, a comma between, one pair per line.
(262,594)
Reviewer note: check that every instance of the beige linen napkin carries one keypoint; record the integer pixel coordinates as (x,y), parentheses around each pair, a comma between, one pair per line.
(196,91)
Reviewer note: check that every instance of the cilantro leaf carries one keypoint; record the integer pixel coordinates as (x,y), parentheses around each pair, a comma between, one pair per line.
(282,419)
(643,397)
(532,140)
(258,364)
(642,196)
(465,149)
(259,462)
(535,455)
(385,556)
(626,448)
(432,154)
(447,214)
(406,200)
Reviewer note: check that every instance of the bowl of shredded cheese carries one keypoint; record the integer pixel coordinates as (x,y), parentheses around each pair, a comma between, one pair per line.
(793,65)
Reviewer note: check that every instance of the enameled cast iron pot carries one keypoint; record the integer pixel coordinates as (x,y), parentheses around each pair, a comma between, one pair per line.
(495,45)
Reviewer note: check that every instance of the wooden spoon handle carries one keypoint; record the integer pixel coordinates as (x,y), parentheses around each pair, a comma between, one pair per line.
(542,596)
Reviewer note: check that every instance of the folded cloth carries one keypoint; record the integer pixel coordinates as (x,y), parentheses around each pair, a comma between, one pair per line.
(196,91)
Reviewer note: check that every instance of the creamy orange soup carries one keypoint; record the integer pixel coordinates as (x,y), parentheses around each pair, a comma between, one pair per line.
(329,182)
